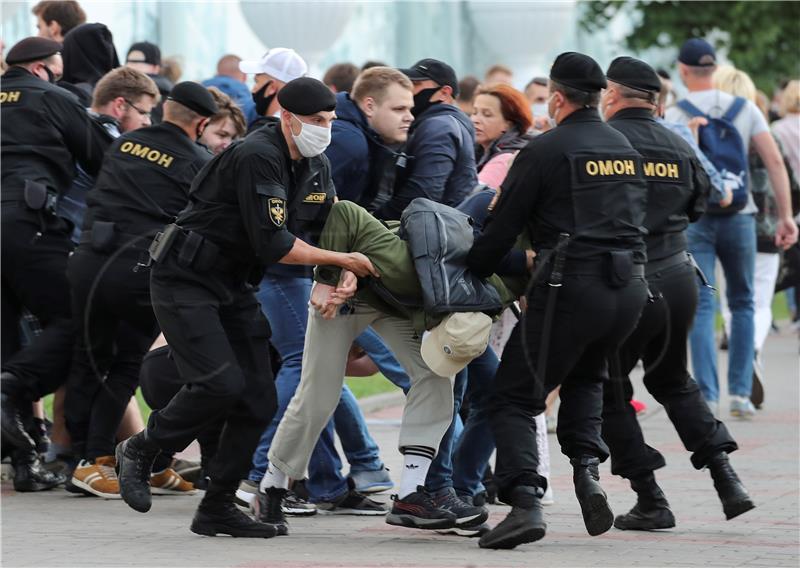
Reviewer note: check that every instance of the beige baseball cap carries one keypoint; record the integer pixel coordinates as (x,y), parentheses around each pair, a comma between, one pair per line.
(457,340)
(280,63)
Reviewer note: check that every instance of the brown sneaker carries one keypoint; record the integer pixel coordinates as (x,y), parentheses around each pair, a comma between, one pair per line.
(170,482)
(98,478)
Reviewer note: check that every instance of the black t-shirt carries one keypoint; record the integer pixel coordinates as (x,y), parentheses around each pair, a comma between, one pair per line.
(582,178)
(145,179)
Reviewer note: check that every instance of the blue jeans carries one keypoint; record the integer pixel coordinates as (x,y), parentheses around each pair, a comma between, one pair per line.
(476,444)
(284,300)
(477,377)
(360,449)
(732,239)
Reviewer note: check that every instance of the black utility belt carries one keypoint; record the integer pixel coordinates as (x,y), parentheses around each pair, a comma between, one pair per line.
(192,250)
(617,268)
(35,196)
(671,261)
(104,238)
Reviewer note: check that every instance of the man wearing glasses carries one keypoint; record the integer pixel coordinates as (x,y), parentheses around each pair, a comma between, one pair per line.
(142,186)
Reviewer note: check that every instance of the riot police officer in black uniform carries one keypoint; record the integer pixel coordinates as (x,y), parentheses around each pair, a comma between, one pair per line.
(234,225)
(677,191)
(44,131)
(143,185)
(579,192)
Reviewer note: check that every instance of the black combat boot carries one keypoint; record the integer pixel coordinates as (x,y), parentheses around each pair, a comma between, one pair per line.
(12,412)
(525,522)
(30,475)
(268,508)
(135,457)
(734,497)
(651,510)
(597,515)
(218,514)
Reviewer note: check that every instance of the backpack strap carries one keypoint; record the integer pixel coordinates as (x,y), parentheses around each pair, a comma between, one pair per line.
(689,108)
(734,109)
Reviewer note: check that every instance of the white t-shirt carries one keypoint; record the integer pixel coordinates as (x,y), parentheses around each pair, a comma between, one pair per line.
(713,102)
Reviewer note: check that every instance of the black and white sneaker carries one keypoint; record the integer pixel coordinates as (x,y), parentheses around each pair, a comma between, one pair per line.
(467,514)
(296,506)
(352,503)
(418,511)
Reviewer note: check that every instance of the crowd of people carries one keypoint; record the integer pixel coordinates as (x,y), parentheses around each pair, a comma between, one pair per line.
(237,251)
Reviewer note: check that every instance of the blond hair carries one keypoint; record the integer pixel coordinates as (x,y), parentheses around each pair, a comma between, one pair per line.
(790,98)
(376,80)
(124,82)
(735,82)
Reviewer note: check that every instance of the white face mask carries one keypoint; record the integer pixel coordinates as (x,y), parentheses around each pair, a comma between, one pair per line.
(552,119)
(312,140)
(539,109)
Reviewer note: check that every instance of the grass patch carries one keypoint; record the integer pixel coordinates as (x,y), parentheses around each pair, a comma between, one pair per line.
(368,386)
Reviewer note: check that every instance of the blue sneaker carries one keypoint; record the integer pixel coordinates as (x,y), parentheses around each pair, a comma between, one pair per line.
(372,481)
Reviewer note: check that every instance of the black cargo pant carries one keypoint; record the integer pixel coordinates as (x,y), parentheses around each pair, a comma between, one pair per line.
(115,326)
(591,321)
(660,342)
(219,340)
(34,276)
(160,381)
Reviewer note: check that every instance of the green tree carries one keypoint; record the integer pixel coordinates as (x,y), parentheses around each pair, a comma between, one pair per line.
(761,38)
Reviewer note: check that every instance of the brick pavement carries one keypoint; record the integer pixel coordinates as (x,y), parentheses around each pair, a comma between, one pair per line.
(57,529)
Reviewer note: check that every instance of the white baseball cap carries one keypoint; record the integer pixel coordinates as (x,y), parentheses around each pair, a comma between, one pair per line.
(457,340)
(281,63)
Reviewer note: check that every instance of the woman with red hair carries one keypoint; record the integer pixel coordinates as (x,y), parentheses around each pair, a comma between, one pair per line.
(502,117)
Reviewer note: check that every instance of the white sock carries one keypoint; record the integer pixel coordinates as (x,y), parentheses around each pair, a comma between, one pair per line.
(415,470)
(274,478)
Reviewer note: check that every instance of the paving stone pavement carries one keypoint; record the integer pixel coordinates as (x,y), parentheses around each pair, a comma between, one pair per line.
(58,529)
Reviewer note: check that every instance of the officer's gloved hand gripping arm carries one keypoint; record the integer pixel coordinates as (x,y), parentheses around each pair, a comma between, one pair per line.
(509,217)
(85,139)
(262,200)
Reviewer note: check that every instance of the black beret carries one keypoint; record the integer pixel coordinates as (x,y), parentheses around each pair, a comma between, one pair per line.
(633,73)
(306,96)
(32,49)
(194,96)
(578,71)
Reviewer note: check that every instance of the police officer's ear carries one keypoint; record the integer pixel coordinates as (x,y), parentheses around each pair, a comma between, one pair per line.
(201,126)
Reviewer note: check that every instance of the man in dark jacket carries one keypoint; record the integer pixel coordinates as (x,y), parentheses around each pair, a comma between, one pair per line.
(146,57)
(440,157)
(371,120)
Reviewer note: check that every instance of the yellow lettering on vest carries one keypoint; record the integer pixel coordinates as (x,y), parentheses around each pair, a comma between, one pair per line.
(140,151)
(126,147)
(661,170)
(649,169)
(606,168)
(165,160)
(10,96)
(672,171)
(630,168)
(591,168)
(153,155)
(619,167)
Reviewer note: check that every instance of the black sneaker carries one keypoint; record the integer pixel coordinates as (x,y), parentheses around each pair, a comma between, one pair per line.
(226,518)
(268,508)
(467,515)
(296,506)
(352,503)
(135,458)
(418,511)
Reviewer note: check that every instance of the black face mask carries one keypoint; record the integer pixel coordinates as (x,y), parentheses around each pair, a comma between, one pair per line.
(422,100)
(263,102)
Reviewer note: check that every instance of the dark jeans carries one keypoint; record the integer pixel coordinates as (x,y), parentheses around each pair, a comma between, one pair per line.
(34,276)
(591,322)
(660,342)
(114,328)
(219,339)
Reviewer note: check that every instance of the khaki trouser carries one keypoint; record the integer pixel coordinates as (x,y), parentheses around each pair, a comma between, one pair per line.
(429,404)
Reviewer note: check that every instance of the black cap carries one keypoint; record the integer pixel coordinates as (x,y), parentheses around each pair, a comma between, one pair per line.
(194,96)
(633,73)
(697,52)
(144,52)
(438,71)
(306,96)
(578,71)
(32,49)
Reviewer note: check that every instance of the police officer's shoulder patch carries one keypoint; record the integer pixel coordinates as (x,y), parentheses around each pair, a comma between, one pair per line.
(276,208)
